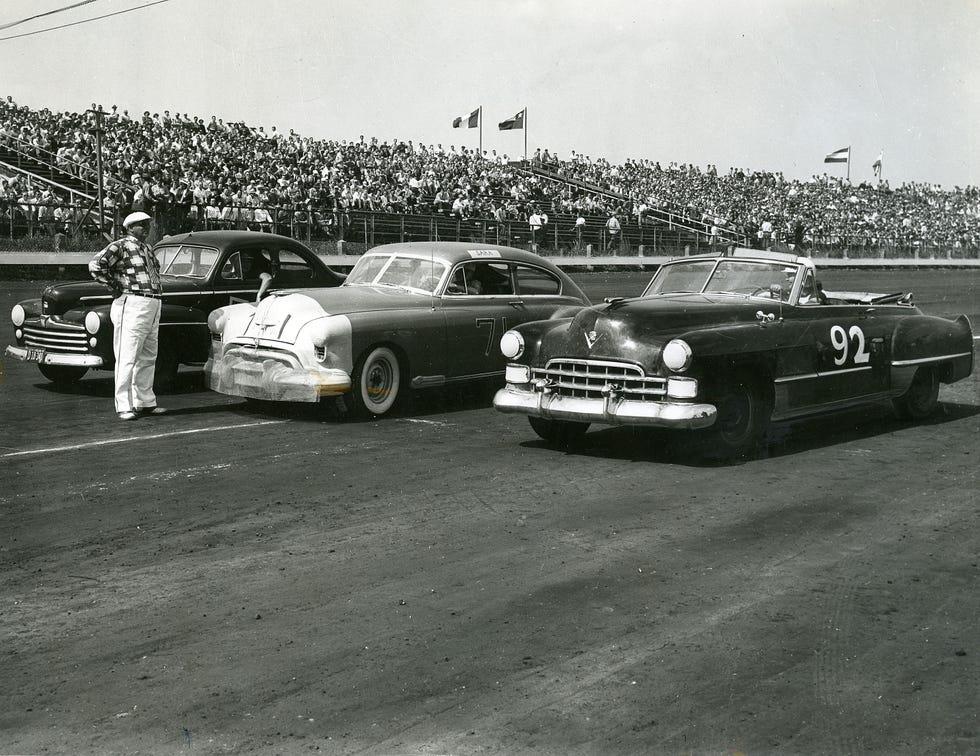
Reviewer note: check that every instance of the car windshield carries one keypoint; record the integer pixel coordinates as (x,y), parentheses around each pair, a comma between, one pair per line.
(416,273)
(186,261)
(727,276)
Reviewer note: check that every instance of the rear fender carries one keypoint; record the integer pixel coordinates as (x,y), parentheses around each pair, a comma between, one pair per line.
(929,340)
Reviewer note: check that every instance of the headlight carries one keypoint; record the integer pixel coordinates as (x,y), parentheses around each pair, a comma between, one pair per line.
(92,322)
(18,315)
(216,321)
(677,355)
(512,345)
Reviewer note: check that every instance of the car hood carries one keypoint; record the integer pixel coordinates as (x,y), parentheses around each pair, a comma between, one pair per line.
(344,300)
(636,329)
(61,297)
(282,315)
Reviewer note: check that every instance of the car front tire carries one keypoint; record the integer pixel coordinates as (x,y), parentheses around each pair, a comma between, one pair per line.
(376,384)
(166,369)
(560,433)
(62,375)
(921,398)
(743,418)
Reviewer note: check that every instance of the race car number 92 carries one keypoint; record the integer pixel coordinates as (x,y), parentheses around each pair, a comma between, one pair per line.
(842,341)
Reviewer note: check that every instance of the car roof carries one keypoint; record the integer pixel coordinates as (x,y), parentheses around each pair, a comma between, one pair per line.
(454,252)
(223,239)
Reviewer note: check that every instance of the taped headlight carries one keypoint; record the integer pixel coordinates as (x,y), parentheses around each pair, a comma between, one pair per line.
(682,388)
(216,321)
(677,355)
(319,332)
(92,322)
(18,315)
(512,345)
(517,374)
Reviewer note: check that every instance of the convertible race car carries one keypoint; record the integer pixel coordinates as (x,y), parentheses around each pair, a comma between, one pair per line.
(67,330)
(418,315)
(724,345)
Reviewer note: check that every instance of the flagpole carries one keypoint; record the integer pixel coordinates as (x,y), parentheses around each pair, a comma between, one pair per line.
(848,164)
(525,133)
(480,116)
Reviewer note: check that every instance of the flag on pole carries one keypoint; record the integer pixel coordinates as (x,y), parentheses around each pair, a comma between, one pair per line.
(472,120)
(517,122)
(876,165)
(839,156)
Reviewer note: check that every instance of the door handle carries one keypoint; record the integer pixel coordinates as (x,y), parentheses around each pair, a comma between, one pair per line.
(516,303)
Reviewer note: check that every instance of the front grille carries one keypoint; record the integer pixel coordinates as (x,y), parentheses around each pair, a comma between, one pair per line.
(56,337)
(588,378)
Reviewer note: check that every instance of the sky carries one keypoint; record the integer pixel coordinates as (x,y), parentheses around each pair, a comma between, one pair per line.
(771,85)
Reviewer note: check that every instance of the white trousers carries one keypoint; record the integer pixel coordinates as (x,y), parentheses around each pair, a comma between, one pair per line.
(135,339)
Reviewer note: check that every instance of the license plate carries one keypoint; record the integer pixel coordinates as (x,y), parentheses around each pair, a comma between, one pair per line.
(35,355)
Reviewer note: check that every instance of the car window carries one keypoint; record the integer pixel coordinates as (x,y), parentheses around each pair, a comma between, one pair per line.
(808,290)
(422,273)
(532,281)
(367,269)
(680,278)
(232,268)
(187,260)
(489,278)
(290,270)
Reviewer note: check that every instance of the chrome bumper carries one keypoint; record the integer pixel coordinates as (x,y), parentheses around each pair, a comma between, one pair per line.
(271,380)
(54,358)
(609,410)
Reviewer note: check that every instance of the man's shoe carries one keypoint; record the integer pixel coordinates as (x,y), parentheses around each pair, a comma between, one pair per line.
(127,415)
(153,411)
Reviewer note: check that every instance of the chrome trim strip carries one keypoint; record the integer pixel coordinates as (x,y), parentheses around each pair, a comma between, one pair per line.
(828,374)
(923,360)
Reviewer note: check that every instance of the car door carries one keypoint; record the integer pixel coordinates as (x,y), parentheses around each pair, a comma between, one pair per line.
(479,304)
(229,284)
(839,355)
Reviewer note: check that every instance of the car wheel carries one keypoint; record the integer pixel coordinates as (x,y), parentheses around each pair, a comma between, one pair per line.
(165,371)
(921,398)
(377,379)
(62,375)
(560,433)
(742,420)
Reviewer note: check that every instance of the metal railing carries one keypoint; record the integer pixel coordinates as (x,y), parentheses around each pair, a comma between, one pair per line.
(71,224)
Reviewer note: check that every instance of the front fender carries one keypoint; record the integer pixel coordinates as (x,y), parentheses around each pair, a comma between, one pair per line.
(739,339)
(537,334)
(32,307)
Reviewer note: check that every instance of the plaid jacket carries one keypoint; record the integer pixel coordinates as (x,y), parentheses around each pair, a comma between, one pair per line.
(128,266)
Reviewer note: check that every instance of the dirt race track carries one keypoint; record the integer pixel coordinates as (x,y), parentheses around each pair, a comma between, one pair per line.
(226,579)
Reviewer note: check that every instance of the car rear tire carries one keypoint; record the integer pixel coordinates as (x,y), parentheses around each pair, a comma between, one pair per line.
(376,383)
(62,375)
(922,396)
(560,433)
(744,412)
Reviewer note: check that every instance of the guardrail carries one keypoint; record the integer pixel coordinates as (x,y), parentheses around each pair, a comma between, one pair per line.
(47,227)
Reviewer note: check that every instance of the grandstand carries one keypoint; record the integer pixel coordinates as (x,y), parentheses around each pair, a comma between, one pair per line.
(192,173)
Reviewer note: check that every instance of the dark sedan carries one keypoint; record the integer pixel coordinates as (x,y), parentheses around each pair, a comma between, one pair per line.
(67,331)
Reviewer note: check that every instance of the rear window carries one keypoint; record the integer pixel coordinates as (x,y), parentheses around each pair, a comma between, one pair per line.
(532,281)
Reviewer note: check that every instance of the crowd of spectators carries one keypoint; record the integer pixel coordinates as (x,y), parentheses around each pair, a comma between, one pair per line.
(188,171)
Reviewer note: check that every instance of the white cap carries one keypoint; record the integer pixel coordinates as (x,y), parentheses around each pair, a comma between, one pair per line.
(134,218)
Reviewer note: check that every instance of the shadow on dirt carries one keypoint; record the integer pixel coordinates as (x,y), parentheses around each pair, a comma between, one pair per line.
(417,404)
(100,384)
(784,439)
